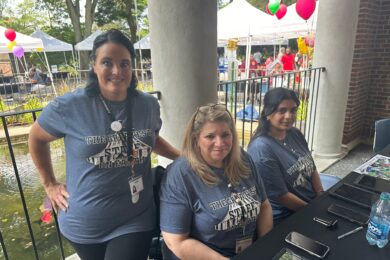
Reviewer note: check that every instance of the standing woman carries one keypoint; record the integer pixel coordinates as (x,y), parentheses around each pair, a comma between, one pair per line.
(212,199)
(106,210)
(282,156)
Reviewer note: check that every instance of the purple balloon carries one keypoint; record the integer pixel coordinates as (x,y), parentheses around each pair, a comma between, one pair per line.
(18,51)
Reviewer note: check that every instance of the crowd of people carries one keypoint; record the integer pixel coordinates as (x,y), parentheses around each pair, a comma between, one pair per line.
(215,198)
(264,63)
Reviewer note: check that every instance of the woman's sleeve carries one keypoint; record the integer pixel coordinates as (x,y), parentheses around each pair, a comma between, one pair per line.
(175,210)
(259,181)
(52,119)
(268,167)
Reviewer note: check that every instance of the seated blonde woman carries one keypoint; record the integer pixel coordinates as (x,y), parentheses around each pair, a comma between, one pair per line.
(213,203)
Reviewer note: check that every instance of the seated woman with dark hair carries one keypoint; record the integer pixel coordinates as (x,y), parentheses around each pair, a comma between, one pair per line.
(282,156)
(212,198)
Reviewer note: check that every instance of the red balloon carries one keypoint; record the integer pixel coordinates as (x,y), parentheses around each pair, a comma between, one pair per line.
(281,11)
(267,10)
(10,34)
(305,8)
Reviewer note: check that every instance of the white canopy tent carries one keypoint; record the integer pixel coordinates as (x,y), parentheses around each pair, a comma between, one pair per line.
(29,44)
(143,44)
(52,44)
(87,43)
(239,19)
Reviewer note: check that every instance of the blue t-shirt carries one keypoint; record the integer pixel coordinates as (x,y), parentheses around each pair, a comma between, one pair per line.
(284,167)
(97,169)
(210,213)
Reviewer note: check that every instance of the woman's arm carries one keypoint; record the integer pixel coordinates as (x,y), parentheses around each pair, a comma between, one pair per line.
(316,183)
(163,148)
(290,201)
(185,247)
(38,143)
(264,220)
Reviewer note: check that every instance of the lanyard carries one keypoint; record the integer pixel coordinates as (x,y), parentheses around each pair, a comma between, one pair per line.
(240,203)
(117,127)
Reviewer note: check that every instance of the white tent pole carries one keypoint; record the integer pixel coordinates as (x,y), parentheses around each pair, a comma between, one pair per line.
(17,65)
(140,51)
(78,65)
(25,64)
(248,47)
(66,62)
(49,72)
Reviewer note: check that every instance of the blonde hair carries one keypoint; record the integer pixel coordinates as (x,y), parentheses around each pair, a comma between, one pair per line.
(235,167)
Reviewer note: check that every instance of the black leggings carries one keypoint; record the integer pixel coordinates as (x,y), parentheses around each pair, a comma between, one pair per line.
(126,247)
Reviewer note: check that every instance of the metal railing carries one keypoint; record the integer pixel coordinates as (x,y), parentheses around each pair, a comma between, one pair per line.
(237,96)
(244,99)
(4,119)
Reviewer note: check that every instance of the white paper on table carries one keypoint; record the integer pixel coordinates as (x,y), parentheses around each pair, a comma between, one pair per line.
(378,166)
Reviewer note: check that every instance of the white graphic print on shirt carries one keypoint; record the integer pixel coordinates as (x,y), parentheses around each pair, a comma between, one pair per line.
(114,155)
(248,210)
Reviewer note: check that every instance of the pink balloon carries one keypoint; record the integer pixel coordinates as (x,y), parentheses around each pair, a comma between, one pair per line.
(305,8)
(18,51)
(282,11)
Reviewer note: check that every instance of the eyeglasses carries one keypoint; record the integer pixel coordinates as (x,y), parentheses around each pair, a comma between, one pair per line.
(219,107)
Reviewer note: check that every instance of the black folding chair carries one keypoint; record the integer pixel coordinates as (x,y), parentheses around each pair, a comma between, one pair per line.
(155,248)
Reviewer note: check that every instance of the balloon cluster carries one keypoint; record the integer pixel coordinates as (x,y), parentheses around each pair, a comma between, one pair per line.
(304,8)
(17,50)
(274,7)
(306,45)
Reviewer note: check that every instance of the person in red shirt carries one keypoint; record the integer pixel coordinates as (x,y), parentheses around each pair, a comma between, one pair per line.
(288,60)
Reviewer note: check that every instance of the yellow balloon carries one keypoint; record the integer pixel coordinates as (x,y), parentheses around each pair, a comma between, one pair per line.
(302,47)
(39,49)
(10,45)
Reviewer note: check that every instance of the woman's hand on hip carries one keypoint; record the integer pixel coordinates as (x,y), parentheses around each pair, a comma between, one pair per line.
(58,195)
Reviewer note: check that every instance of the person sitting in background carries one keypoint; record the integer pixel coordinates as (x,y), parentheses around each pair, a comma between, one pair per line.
(282,156)
(35,76)
(212,199)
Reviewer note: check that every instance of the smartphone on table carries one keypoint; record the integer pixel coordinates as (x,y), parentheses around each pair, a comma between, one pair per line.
(307,244)
(349,214)
(372,183)
(287,254)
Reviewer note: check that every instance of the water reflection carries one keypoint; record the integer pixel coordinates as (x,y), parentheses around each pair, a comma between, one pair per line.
(12,218)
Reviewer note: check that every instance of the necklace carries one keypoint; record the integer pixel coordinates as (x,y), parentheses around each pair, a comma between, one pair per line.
(285,144)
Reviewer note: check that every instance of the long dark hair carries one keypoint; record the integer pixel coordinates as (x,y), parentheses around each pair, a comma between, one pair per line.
(272,100)
(110,36)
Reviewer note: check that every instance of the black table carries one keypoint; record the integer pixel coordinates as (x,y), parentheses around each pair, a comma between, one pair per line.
(354,246)
(386,152)
(13,87)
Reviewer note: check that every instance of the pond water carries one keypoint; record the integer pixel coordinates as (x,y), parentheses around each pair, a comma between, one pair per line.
(13,224)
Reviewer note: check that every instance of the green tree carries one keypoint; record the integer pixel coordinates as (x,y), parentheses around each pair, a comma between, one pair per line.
(24,18)
(3,5)
(121,11)
(72,9)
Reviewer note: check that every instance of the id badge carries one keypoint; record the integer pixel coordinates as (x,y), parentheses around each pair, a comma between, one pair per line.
(136,186)
(242,244)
